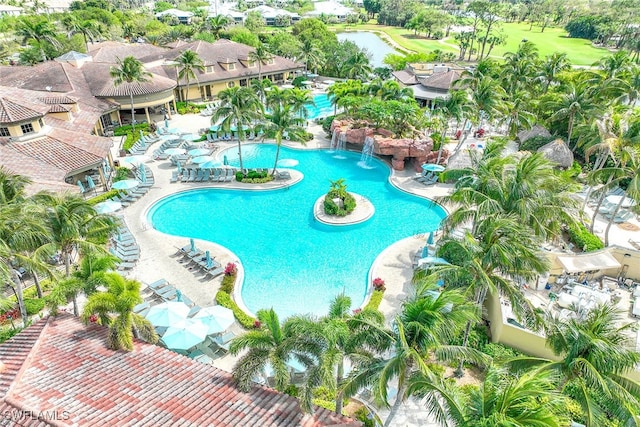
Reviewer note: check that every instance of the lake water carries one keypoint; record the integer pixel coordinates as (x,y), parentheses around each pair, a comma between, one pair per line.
(374,45)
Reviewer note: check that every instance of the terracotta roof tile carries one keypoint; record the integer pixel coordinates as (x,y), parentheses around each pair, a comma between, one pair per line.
(12,112)
(62,99)
(442,81)
(72,370)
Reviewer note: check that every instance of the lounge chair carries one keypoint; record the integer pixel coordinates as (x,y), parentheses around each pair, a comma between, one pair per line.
(207,175)
(283,175)
(194,310)
(192,175)
(215,272)
(623,217)
(187,301)
(635,243)
(174,177)
(141,307)
(158,284)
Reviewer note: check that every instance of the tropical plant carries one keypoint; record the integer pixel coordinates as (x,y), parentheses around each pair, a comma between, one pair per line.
(275,345)
(594,354)
(218,23)
(239,107)
(131,72)
(188,62)
(311,55)
(571,104)
(260,55)
(114,309)
(455,106)
(422,330)
(38,29)
(357,66)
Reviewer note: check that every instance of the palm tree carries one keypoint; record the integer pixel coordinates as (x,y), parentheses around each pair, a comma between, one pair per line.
(131,72)
(12,186)
(261,55)
(39,30)
(218,23)
(283,122)
(503,399)
(551,67)
(260,87)
(114,308)
(595,353)
(276,345)
(455,106)
(89,28)
(357,66)
(426,324)
(488,98)
(572,104)
(239,107)
(299,99)
(347,335)
(627,170)
(311,54)
(518,114)
(390,89)
(187,62)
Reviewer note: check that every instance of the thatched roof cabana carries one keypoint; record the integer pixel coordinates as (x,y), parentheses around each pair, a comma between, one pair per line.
(558,152)
(536,130)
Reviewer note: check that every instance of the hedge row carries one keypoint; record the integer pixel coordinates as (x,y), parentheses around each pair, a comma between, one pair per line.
(580,236)
(225,300)
(375,300)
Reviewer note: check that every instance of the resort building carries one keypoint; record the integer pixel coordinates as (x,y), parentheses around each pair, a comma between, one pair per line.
(181,16)
(331,8)
(8,10)
(428,81)
(276,17)
(60,372)
(54,115)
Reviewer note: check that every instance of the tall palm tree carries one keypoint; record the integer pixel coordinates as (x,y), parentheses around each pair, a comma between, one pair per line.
(276,345)
(114,308)
(89,29)
(218,23)
(488,99)
(572,104)
(239,107)
(188,62)
(299,99)
(455,106)
(503,399)
(260,54)
(357,66)
(346,336)
(518,114)
(260,87)
(595,353)
(426,324)
(284,123)
(39,30)
(551,67)
(12,186)
(74,225)
(311,55)
(129,71)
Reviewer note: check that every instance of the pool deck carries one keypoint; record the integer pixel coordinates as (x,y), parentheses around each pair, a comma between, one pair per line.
(159,260)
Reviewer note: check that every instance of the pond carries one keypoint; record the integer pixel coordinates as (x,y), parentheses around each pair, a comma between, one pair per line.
(374,45)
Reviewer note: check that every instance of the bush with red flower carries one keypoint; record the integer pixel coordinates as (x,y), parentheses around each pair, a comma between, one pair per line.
(229,279)
(378,284)
(231,269)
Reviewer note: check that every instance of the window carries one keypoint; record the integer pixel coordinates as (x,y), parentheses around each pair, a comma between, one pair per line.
(231,84)
(41,123)
(208,69)
(27,128)
(231,67)
(4,131)
(270,61)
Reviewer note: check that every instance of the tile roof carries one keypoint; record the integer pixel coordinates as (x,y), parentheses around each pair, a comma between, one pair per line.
(61,99)
(442,81)
(60,365)
(12,112)
(101,84)
(405,77)
(47,76)
(109,51)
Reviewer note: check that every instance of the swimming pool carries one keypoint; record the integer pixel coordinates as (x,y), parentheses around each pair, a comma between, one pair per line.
(322,108)
(292,262)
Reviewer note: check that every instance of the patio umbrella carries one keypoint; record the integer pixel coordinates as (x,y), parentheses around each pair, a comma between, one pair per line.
(207,256)
(126,184)
(211,164)
(202,159)
(191,137)
(425,252)
(178,295)
(430,239)
(431,260)
(167,313)
(90,183)
(199,152)
(134,160)
(217,318)
(166,123)
(287,163)
(432,167)
(175,151)
(184,334)
(169,137)
(107,206)
(613,199)
(225,160)
(307,82)
(214,128)
(192,245)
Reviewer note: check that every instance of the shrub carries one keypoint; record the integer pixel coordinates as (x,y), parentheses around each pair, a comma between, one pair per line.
(326,404)
(225,300)
(239,176)
(122,173)
(102,197)
(583,239)
(326,124)
(228,283)
(7,333)
(127,129)
(189,108)
(231,269)
(292,390)
(362,415)
(34,306)
(378,284)
(324,393)
(500,352)
(375,300)
(348,202)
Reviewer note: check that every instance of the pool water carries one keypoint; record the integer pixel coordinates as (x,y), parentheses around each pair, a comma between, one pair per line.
(292,262)
(322,108)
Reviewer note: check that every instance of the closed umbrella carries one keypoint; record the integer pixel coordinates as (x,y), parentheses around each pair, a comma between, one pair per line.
(425,252)
(192,245)
(432,167)
(225,160)
(166,123)
(126,184)
(217,318)
(167,313)
(430,239)
(184,334)
(107,206)
(199,152)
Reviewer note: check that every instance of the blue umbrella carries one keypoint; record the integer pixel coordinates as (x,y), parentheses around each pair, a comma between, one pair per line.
(425,252)
(430,239)
(225,160)
(184,334)
(199,152)
(214,128)
(166,123)
(107,206)
(178,295)
(167,313)
(90,183)
(126,184)
(174,151)
(432,167)
(209,260)
(216,317)
(211,164)
(193,245)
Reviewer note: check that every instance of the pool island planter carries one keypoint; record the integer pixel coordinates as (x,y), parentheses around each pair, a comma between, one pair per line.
(364,210)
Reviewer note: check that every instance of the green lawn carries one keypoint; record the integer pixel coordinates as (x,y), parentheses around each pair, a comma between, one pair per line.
(579,51)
